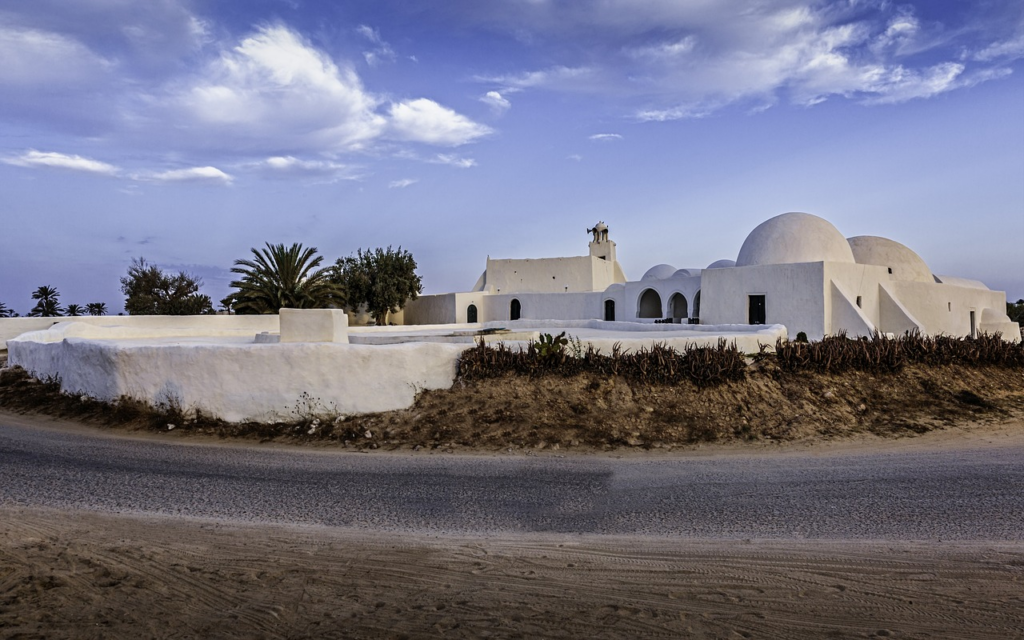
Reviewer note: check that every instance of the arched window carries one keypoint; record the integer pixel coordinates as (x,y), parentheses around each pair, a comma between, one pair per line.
(515,310)
(649,305)
(471,313)
(609,310)
(678,307)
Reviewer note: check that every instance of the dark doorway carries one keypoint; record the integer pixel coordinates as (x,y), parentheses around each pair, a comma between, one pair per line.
(471,313)
(609,310)
(650,305)
(678,307)
(515,310)
(756,314)
(696,306)
(974,326)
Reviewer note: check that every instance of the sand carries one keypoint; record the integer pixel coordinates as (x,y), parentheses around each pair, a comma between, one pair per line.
(88,575)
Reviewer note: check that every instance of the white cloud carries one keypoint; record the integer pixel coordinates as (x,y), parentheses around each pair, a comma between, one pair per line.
(401,184)
(382,52)
(275,90)
(191,174)
(289,166)
(43,58)
(496,102)
(605,137)
(678,112)
(54,160)
(575,157)
(558,77)
(453,160)
(1011,49)
(688,59)
(424,120)
(665,51)
(276,86)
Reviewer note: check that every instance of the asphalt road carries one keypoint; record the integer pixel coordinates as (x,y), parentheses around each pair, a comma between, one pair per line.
(942,494)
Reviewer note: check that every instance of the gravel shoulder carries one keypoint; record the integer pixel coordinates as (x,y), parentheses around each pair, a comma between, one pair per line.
(88,575)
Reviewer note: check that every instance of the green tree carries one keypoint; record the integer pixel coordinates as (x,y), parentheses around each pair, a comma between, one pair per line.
(283,278)
(6,312)
(382,279)
(74,310)
(150,291)
(1016,311)
(47,303)
(96,308)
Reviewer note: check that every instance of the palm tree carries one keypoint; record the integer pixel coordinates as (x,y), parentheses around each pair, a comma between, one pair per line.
(96,308)
(5,311)
(280,277)
(74,310)
(47,305)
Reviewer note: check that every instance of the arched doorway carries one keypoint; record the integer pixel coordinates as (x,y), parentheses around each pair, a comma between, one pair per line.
(696,304)
(609,310)
(649,305)
(471,313)
(515,310)
(678,307)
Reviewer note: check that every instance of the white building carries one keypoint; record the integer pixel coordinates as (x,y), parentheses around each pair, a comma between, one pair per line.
(795,269)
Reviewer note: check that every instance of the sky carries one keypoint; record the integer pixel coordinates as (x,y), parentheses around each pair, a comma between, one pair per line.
(189,132)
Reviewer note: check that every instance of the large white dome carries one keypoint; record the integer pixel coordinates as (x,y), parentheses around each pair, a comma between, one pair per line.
(791,238)
(904,263)
(659,272)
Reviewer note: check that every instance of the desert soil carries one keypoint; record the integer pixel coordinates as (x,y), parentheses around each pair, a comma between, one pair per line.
(88,575)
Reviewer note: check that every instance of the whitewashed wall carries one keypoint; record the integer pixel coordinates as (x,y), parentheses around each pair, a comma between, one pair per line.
(166,325)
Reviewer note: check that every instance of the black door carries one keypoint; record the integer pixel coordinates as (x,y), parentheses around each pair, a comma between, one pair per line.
(756,314)
(515,310)
(609,310)
(471,313)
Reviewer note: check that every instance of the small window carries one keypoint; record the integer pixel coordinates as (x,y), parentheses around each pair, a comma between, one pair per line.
(890,271)
(859,305)
(949,306)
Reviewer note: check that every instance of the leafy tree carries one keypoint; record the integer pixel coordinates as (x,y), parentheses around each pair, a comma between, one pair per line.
(74,310)
(382,279)
(150,291)
(282,278)
(47,303)
(1016,311)
(96,308)
(7,312)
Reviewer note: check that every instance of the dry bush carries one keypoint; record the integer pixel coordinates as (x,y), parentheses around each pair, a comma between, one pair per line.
(659,364)
(881,354)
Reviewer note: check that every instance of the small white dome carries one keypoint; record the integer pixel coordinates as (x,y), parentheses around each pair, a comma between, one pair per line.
(659,272)
(794,237)
(686,273)
(722,264)
(904,263)
(615,287)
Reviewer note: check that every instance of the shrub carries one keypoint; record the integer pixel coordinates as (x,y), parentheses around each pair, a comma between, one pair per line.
(659,364)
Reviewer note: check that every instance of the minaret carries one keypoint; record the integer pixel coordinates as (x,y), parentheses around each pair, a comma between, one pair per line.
(601,246)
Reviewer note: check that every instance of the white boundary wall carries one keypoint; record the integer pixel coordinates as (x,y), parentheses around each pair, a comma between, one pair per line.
(234,378)
(165,325)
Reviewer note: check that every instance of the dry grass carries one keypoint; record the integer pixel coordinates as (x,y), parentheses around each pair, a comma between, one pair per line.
(552,408)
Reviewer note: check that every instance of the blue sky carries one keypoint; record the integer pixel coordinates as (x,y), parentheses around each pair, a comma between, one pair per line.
(188,132)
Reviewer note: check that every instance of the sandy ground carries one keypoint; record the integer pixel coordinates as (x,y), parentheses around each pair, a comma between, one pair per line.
(84,575)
